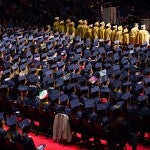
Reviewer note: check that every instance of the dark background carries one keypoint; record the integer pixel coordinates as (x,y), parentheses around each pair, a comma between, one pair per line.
(42,12)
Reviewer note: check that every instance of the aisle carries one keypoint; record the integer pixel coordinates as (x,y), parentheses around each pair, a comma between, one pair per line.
(51,145)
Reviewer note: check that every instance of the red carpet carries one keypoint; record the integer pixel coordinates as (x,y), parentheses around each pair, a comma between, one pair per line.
(51,145)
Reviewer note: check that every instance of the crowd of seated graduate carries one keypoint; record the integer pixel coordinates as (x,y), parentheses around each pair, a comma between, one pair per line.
(81,77)
(16,136)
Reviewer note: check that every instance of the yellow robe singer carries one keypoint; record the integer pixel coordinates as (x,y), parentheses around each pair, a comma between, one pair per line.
(56,24)
(102,30)
(79,28)
(84,29)
(61,26)
(96,30)
(113,33)
(119,34)
(133,34)
(90,32)
(108,32)
(125,37)
(142,36)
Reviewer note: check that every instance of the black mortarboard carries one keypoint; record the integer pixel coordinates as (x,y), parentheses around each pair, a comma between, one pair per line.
(117,83)
(24,123)
(32,78)
(139,87)
(21,78)
(63,97)
(74,103)
(59,82)
(1,116)
(126,96)
(22,67)
(7,71)
(146,80)
(105,90)
(12,120)
(4,86)
(70,86)
(84,88)
(95,89)
(98,65)
(142,98)
(89,103)
(147,90)
(102,107)
(23,88)
(79,50)
(53,94)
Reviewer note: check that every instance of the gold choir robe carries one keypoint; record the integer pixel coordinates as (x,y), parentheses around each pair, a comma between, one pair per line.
(55,26)
(126,38)
(142,36)
(133,35)
(119,36)
(102,32)
(108,33)
(95,32)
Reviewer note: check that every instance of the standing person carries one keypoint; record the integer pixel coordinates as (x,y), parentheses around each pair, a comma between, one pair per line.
(72,29)
(84,29)
(102,30)
(113,33)
(56,24)
(125,36)
(133,33)
(90,32)
(61,26)
(68,21)
(96,30)
(108,32)
(119,35)
(79,27)
(143,35)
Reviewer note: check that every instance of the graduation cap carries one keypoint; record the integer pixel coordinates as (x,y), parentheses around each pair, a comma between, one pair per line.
(4,86)
(12,120)
(146,80)
(139,87)
(95,89)
(93,79)
(24,123)
(63,97)
(43,94)
(59,82)
(22,88)
(98,65)
(22,67)
(142,98)
(1,116)
(32,78)
(103,73)
(89,103)
(126,96)
(21,78)
(53,94)
(147,90)
(117,83)
(84,88)
(102,107)
(74,103)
